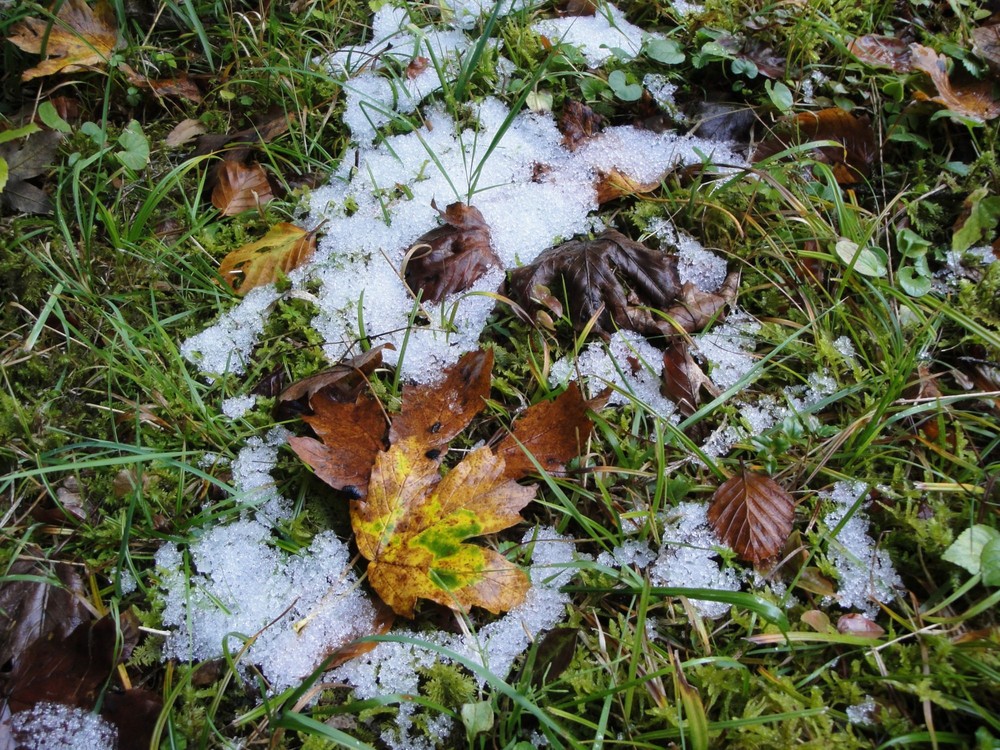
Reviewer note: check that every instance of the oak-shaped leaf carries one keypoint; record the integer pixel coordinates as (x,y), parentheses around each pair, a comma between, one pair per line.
(852,156)
(611,280)
(433,415)
(350,437)
(752,514)
(553,432)
(284,247)
(974,101)
(240,187)
(451,257)
(413,524)
(79,37)
(25,161)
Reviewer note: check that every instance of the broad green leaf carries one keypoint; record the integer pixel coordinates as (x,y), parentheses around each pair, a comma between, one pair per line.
(412,526)
(283,248)
(627,92)
(910,243)
(868,261)
(913,283)
(477,717)
(14,133)
(3,173)
(135,147)
(989,562)
(47,113)
(666,51)
(779,94)
(982,212)
(967,550)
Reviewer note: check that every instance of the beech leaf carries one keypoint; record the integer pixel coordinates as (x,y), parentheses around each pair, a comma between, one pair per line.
(240,187)
(974,101)
(451,257)
(753,515)
(882,52)
(683,379)
(283,248)
(79,37)
(412,527)
(578,124)
(434,415)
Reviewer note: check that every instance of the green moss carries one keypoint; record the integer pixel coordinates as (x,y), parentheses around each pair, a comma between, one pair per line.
(447,685)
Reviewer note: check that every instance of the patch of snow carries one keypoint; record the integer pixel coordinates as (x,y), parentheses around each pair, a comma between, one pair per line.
(688,557)
(631,552)
(598,37)
(237,406)
(54,726)
(684,8)
(865,574)
(729,348)
(662,91)
(863,714)
(845,347)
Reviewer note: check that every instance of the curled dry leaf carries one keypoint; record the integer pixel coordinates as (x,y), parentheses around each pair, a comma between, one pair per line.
(882,52)
(683,379)
(343,382)
(974,100)
(614,184)
(694,309)
(284,247)
(80,37)
(451,257)
(433,415)
(859,625)
(240,187)
(752,514)
(552,431)
(851,160)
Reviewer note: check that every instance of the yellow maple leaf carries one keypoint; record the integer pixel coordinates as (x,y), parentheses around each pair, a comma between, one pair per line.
(283,248)
(77,38)
(412,526)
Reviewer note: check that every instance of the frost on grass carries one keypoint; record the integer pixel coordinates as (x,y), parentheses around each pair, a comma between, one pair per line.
(865,574)
(689,557)
(54,726)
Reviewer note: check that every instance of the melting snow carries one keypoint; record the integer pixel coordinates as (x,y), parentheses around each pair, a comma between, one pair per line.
(54,726)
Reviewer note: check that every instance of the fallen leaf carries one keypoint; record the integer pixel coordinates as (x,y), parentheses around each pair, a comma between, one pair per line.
(577,8)
(240,187)
(350,436)
(578,123)
(552,431)
(26,162)
(851,159)
(344,381)
(986,44)
(768,62)
(284,247)
(180,87)
(451,257)
(817,620)
(66,506)
(182,132)
(974,101)
(694,309)
(433,415)
(683,379)
(753,515)
(264,129)
(882,52)
(134,712)
(417,66)
(614,184)
(79,37)
(859,625)
(412,527)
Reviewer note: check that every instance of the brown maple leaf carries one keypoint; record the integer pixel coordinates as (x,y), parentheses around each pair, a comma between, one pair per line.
(451,257)
(752,514)
(77,38)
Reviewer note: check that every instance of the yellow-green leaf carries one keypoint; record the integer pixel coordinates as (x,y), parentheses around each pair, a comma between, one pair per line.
(283,248)
(412,526)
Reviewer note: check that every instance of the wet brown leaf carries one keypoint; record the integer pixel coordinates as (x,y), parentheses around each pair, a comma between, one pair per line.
(179,87)
(986,43)
(578,124)
(283,248)
(552,431)
(851,160)
(183,132)
(694,309)
(882,52)
(265,129)
(433,415)
(752,514)
(343,382)
(417,66)
(451,257)
(28,161)
(683,379)
(240,187)
(80,37)
(577,8)
(972,100)
(350,436)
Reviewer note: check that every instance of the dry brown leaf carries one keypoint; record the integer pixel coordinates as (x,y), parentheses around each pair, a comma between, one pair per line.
(974,100)
(283,248)
(183,132)
(683,379)
(851,160)
(79,37)
(614,184)
(343,382)
(240,187)
(986,43)
(859,625)
(417,66)
(552,431)
(433,415)
(27,160)
(451,257)
(752,514)
(180,87)
(882,52)
(694,309)
(578,123)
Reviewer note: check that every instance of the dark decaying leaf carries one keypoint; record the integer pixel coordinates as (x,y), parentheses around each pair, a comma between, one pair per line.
(240,187)
(134,712)
(434,415)
(752,514)
(552,431)
(551,656)
(851,159)
(350,436)
(25,162)
(266,128)
(577,8)
(451,257)
(578,124)
(344,381)
(66,506)
(986,41)
(683,379)
(882,52)
(618,283)
(38,610)
(768,62)
(973,100)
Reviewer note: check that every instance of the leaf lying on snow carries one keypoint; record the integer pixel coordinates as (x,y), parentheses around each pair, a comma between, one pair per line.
(752,514)
(78,37)
(283,248)
(451,257)
(618,283)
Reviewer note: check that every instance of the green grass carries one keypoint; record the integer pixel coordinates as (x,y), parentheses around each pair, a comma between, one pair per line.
(98,296)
